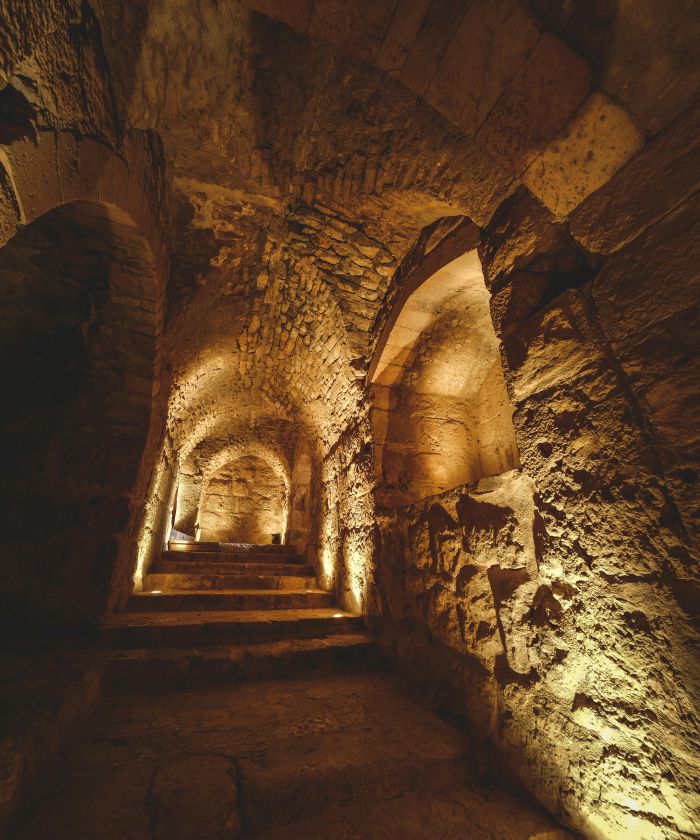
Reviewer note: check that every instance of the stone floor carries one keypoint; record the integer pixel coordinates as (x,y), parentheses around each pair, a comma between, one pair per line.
(350,756)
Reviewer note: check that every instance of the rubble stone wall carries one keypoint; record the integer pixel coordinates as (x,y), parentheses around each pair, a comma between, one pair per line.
(556,606)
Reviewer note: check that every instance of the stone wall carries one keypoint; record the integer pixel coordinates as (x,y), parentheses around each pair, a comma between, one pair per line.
(246,501)
(346,519)
(101,192)
(303,503)
(557,606)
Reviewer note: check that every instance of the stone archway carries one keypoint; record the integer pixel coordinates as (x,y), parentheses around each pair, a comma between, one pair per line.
(121,203)
(78,347)
(441,415)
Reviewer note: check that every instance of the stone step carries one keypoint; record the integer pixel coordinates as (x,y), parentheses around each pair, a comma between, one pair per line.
(230,599)
(230,548)
(194,629)
(191,545)
(170,581)
(229,557)
(210,567)
(143,668)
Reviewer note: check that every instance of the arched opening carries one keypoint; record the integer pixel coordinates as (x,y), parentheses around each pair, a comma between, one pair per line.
(77,291)
(245,501)
(441,414)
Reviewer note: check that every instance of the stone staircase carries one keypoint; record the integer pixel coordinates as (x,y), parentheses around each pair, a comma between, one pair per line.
(197,735)
(210,611)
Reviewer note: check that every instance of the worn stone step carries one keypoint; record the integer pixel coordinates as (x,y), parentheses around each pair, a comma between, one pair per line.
(230,548)
(233,558)
(169,581)
(193,629)
(152,667)
(230,599)
(191,545)
(167,565)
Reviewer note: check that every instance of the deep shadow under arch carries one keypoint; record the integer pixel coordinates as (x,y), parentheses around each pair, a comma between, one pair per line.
(79,292)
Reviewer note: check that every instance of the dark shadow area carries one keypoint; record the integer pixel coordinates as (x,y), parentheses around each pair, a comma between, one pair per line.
(76,361)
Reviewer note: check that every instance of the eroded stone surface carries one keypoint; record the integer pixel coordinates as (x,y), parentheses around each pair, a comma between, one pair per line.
(265,759)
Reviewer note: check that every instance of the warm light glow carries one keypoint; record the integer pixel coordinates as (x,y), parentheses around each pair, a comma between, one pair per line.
(441,415)
(156,509)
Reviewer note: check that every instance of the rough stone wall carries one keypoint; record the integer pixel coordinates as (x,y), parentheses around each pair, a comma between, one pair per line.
(557,607)
(303,510)
(346,550)
(246,502)
(61,144)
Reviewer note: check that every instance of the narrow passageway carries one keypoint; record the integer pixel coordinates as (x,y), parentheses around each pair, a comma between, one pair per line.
(349,438)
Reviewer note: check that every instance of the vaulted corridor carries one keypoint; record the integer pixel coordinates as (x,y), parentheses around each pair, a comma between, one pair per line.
(350,431)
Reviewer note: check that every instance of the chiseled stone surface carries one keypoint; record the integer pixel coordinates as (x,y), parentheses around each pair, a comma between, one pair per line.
(543,603)
(599,140)
(275,759)
(245,502)
(663,175)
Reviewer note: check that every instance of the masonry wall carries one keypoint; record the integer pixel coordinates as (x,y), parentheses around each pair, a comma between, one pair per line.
(244,502)
(346,529)
(556,606)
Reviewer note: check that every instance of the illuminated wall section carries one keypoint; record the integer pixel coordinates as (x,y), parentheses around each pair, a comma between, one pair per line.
(440,414)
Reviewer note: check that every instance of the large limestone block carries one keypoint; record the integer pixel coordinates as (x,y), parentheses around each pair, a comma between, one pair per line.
(525,236)
(654,280)
(597,142)
(643,52)
(648,299)
(436,32)
(655,181)
(557,347)
(295,13)
(402,31)
(9,211)
(358,27)
(208,781)
(32,161)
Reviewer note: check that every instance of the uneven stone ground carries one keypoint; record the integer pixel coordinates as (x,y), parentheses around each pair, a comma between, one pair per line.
(319,757)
